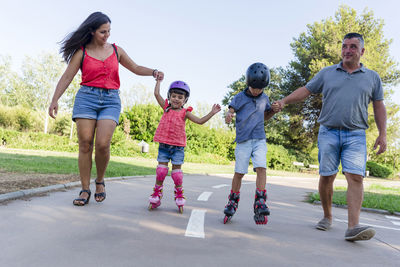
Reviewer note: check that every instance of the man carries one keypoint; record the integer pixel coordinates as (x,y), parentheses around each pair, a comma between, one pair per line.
(347,88)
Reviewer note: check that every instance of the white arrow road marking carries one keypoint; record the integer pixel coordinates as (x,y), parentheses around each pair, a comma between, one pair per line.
(392,218)
(377,226)
(204,196)
(396,219)
(220,186)
(248,183)
(195,227)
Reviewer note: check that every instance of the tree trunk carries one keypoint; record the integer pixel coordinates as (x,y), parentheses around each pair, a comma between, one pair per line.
(72,130)
(46,123)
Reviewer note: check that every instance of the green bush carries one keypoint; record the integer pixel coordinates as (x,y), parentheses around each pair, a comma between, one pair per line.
(37,141)
(279,158)
(6,120)
(19,118)
(61,125)
(23,120)
(378,170)
(201,139)
(143,120)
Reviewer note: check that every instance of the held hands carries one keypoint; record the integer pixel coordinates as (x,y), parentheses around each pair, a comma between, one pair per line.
(277,106)
(381,142)
(158,75)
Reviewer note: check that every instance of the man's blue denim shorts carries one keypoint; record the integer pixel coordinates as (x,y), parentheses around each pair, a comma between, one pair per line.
(97,104)
(168,152)
(337,145)
(256,149)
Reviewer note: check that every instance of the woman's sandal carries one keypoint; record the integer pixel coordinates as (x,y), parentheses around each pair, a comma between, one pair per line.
(102,194)
(78,201)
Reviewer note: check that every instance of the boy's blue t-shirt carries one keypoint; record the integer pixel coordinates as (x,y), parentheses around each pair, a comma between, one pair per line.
(250,115)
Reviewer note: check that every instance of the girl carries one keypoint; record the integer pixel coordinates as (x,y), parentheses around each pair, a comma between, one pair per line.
(171,136)
(97,104)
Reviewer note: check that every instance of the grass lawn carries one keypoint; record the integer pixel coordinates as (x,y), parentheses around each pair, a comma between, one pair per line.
(375,196)
(35,161)
(32,161)
(50,162)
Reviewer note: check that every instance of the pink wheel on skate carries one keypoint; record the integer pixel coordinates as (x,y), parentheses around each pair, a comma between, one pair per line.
(261,219)
(226,219)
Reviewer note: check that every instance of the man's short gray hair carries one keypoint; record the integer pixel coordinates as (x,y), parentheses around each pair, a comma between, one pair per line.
(355,35)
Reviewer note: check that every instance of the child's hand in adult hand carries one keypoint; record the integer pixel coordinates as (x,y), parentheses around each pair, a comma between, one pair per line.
(160,76)
(277,106)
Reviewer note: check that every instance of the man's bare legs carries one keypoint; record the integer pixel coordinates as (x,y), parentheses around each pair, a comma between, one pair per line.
(355,195)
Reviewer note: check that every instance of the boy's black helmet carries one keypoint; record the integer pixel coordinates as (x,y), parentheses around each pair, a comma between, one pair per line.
(257,76)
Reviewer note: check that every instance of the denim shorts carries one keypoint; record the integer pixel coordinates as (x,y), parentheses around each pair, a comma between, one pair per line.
(341,145)
(254,148)
(97,104)
(174,153)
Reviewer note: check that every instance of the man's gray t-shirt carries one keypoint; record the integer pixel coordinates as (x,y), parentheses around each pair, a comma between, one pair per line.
(345,96)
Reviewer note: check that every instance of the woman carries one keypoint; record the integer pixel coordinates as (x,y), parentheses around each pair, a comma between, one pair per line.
(97,104)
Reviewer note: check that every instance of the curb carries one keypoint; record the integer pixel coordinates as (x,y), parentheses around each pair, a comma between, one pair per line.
(385,212)
(46,189)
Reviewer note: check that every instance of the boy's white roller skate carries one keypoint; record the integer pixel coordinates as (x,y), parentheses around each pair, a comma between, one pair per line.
(155,198)
(261,210)
(232,205)
(179,198)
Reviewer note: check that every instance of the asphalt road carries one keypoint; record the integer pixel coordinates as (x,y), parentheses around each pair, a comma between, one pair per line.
(49,231)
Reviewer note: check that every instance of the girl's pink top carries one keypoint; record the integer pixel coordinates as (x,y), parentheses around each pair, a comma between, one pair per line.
(102,74)
(171,129)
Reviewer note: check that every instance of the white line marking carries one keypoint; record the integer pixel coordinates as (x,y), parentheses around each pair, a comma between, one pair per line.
(195,227)
(392,217)
(396,223)
(225,185)
(204,196)
(219,186)
(378,226)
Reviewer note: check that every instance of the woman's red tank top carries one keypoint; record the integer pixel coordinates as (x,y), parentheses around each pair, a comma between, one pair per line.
(102,74)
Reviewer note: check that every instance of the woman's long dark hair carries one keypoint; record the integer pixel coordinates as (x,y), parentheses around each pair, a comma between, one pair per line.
(83,35)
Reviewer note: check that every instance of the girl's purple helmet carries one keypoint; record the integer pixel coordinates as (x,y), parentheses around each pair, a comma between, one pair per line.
(179,85)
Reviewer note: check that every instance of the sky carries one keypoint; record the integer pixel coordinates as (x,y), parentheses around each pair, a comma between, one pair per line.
(209,44)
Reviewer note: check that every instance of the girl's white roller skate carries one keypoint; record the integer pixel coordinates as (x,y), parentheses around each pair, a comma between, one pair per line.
(179,198)
(155,198)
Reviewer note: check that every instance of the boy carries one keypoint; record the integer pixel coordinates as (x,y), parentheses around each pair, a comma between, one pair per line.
(252,107)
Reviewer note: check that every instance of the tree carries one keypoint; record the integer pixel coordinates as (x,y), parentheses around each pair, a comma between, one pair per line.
(40,77)
(319,47)
(12,90)
(137,94)
(201,109)
(296,127)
